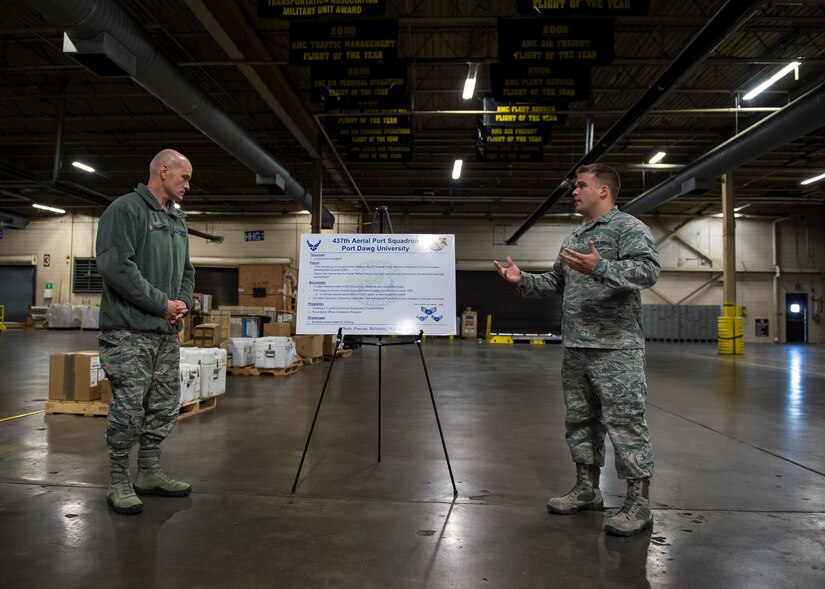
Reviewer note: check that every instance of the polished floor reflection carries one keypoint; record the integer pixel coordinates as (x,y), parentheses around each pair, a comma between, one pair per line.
(738,495)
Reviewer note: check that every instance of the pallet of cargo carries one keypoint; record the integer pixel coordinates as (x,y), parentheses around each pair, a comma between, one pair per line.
(87,408)
(98,408)
(197,407)
(255,371)
(346,353)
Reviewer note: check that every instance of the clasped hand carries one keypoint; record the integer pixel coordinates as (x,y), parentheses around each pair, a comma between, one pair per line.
(175,310)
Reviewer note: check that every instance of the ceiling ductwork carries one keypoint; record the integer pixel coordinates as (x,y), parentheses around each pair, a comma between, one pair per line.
(724,22)
(12,221)
(87,20)
(799,118)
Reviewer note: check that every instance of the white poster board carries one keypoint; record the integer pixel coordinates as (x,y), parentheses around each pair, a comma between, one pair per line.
(377,284)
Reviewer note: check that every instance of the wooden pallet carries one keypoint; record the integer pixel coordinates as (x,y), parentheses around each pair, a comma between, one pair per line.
(345,353)
(87,408)
(312,360)
(255,371)
(95,408)
(197,407)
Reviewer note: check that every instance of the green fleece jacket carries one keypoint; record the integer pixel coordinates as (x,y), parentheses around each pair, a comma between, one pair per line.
(143,257)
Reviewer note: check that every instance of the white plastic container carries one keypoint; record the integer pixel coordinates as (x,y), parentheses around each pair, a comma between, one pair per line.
(274,352)
(240,351)
(212,362)
(89,317)
(213,375)
(190,383)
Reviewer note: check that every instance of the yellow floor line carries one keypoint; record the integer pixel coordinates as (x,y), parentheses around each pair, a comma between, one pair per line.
(18,416)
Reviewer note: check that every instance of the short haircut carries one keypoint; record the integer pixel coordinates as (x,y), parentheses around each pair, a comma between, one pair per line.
(166,157)
(604,174)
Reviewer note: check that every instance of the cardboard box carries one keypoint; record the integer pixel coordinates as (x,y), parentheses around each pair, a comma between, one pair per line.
(207,335)
(235,310)
(221,318)
(75,376)
(202,302)
(185,334)
(277,329)
(309,346)
(329,345)
(105,391)
(61,376)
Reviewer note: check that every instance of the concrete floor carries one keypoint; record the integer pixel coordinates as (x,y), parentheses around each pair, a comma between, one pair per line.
(738,496)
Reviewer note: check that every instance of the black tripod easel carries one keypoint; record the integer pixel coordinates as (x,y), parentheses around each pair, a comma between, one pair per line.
(381,216)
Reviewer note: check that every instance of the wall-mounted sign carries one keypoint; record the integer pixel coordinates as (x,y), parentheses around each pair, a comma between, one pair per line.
(533,115)
(594,7)
(514,135)
(365,135)
(364,86)
(379,153)
(314,8)
(47,259)
(331,42)
(539,84)
(563,41)
(511,143)
(256,235)
(496,152)
(372,120)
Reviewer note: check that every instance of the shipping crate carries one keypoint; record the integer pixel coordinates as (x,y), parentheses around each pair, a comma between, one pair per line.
(207,335)
(309,346)
(269,285)
(221,318)
(277,329)
(75,376)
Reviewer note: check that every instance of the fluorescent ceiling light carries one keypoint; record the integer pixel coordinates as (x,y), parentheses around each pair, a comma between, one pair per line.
(812,180)
(657,157)
(457,169)
(84,167)
(52,209)
(773,79)
(470,82)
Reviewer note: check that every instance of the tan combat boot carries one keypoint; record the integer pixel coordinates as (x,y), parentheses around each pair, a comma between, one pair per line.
(151,480)
(585,495)
(121,496)
(635,515)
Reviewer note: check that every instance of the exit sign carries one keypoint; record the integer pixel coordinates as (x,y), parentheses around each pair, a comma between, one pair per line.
(257,235)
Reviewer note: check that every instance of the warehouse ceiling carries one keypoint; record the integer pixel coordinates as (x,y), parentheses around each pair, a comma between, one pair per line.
(54,110)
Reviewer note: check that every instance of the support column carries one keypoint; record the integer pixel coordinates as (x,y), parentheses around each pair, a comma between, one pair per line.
(730,324)
(317,194)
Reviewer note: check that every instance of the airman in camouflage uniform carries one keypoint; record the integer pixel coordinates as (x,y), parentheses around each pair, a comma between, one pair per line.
(143,257)
(601,269)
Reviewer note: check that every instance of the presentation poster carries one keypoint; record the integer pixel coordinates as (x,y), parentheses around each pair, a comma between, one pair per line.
(377,284)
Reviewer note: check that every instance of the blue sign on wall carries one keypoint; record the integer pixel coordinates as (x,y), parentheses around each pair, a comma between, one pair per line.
(257,235)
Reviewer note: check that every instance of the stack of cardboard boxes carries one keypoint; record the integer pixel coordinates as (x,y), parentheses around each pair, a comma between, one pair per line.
(77,376)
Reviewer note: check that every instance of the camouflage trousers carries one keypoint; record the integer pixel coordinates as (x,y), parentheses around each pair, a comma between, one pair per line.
(144,371)
(604,393)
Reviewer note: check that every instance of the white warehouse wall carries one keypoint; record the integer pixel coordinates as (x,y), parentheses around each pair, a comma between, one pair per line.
(690,249)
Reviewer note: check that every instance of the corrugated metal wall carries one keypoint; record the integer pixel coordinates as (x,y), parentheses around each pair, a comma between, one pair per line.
(680,323)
